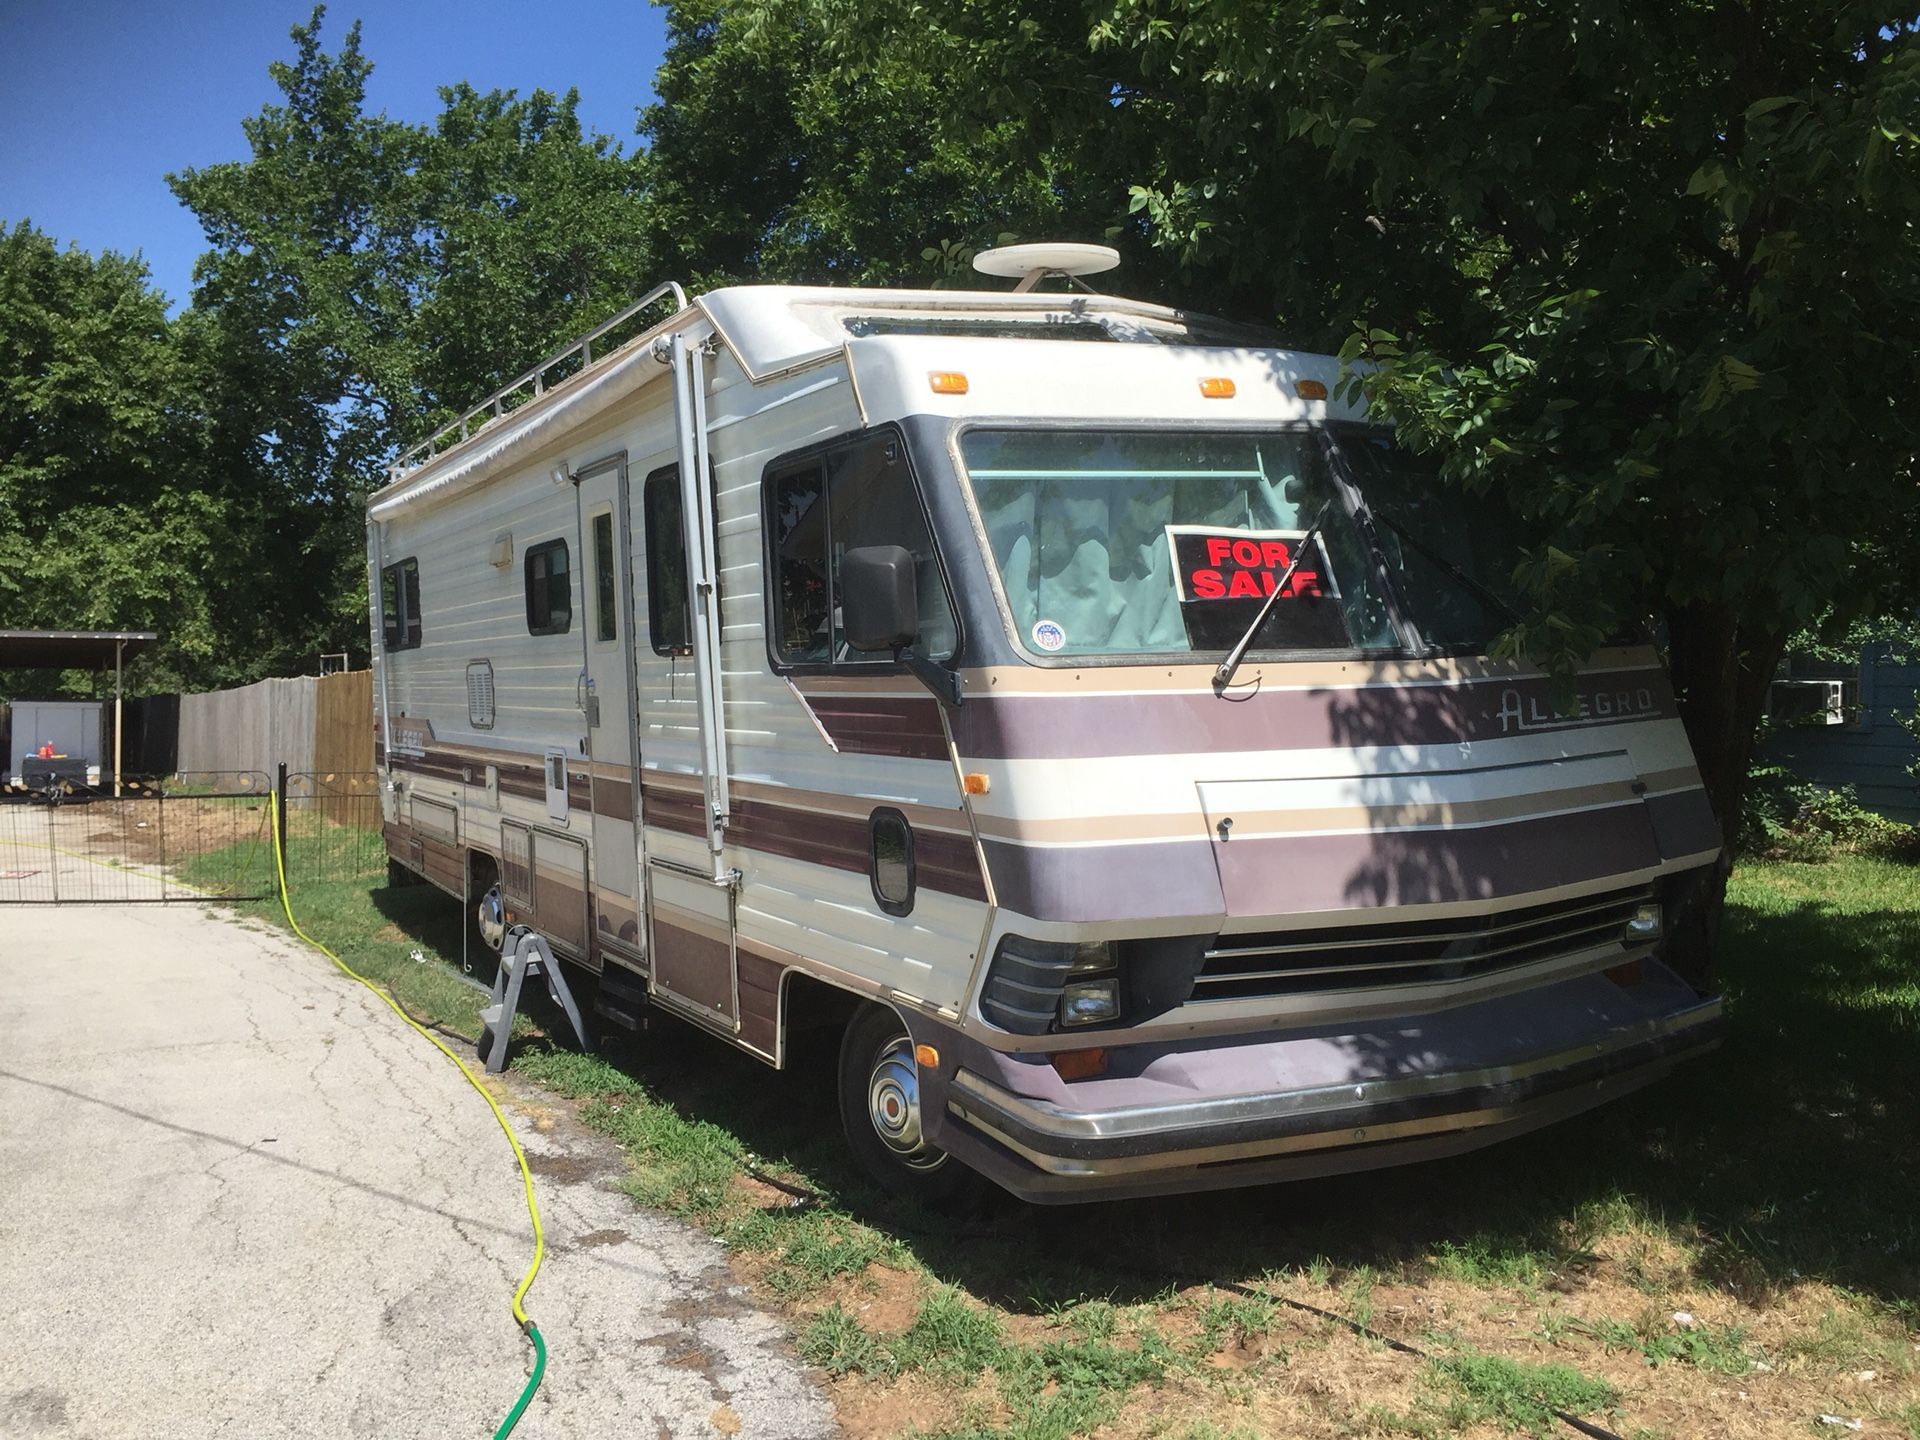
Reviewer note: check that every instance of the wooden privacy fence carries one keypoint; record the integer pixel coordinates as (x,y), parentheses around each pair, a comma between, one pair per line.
(319,725)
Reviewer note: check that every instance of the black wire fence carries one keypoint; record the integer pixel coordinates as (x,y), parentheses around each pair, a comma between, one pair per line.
(332,826)
(200,836)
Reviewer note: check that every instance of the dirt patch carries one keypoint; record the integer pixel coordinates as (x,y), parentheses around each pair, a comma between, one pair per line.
(595,1239)
(886,1409)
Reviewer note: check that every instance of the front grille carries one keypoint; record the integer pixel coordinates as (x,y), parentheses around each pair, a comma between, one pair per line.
(1361,957)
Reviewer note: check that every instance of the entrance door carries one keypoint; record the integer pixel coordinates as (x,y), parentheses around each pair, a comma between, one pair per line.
(608,692)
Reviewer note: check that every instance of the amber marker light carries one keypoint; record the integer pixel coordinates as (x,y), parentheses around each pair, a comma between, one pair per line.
(1310,389)
(976,782)
(926,1057)
(1216,387)
(1080,1064)
(947,382)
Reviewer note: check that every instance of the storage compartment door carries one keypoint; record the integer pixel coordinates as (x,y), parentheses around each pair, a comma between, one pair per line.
(692,944)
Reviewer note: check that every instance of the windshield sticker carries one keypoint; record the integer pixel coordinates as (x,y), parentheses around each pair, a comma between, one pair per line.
(1048,636)
(1223,577)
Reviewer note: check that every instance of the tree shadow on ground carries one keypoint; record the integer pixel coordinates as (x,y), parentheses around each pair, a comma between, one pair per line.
(1786,1155)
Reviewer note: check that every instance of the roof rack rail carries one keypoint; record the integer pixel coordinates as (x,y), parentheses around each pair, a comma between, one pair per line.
(583,347)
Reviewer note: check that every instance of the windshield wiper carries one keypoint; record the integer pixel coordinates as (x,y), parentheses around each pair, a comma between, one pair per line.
(1223,672)
(1452,571)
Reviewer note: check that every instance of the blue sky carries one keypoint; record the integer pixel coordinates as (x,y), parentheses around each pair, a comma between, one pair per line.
(99,99)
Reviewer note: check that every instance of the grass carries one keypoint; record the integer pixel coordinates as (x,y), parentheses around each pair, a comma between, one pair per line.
(1768,1189)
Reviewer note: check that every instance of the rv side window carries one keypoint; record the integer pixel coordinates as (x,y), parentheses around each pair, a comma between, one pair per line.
(663,514)
(852,495)
(400,605)
(549,589)
(890,866)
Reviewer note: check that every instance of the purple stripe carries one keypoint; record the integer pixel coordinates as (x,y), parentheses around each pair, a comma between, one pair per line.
(1059,727)
(1309,873)
(907,726)
(1434,867)
(1105,882)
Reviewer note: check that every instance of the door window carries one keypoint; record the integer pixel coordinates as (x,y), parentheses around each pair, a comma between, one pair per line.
(605,594)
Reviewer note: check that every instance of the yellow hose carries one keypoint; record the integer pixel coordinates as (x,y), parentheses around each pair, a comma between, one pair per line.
(526,1175)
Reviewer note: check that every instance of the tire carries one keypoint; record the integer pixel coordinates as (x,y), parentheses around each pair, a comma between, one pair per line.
(875,1042)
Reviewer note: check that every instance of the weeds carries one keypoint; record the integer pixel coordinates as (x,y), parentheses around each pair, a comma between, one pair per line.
(1723,1351)
(1514,1395)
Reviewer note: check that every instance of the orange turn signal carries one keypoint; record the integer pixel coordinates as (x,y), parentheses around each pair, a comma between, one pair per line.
(1080,1064)
(976,782)
(1216,387)
(1310,389)
(947,382)
(926,1057)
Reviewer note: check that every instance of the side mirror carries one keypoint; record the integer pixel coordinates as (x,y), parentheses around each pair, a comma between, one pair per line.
(879,598)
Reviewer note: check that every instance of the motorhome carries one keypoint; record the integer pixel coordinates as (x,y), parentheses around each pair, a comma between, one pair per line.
(1073,700)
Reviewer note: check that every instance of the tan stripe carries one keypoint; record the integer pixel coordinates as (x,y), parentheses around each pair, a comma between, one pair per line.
(1315,674)
(1383,819)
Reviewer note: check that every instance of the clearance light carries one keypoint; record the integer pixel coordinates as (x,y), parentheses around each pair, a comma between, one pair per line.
(1216,387)
(947,382)
(1080,1064)
(926,1057)
(1310,389)
(976,782)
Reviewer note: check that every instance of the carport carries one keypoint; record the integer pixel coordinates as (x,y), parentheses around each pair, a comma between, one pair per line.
(78,650)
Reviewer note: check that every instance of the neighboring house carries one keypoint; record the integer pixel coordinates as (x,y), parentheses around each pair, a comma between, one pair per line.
(1840,725)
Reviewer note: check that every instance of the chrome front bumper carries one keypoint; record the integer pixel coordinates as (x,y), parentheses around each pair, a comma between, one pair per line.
(1200,1118)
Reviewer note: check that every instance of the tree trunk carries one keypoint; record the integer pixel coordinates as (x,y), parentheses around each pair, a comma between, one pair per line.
(1721,671)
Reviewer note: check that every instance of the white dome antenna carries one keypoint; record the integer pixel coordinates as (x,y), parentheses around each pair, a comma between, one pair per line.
(1030,264)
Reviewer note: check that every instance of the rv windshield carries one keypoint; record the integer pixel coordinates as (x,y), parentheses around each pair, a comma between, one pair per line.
(1451,554)
(1112,542)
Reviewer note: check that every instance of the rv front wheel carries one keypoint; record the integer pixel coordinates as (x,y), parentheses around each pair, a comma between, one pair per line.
(880,1111)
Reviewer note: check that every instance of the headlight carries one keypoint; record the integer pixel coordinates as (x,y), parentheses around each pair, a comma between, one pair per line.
(1649,923)
(1089,1002)
(1034,986)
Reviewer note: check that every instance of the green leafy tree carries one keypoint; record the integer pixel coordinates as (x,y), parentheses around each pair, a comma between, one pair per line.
(113,514)
(366,279)
(1647,271)
(765,163)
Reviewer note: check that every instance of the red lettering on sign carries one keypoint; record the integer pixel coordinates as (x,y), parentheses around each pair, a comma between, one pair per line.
(1246,553)
(1218,548)
(1275,553)
(1207,585)
(1242,585)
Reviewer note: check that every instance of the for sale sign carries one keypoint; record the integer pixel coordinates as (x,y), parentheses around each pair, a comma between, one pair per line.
(1223,577)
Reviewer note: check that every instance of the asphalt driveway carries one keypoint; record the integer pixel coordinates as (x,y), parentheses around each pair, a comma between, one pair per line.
(239,1198)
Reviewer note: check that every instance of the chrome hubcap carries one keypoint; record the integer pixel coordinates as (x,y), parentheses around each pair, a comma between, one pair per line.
(893,1104)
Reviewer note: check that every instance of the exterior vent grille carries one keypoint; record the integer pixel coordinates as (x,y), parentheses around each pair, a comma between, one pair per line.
(1364,957)
(480,694)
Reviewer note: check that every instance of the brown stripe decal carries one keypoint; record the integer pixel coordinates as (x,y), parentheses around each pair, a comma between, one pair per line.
(1057,727)
(907,726)
(692,967)
(683,811)
(946,862)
